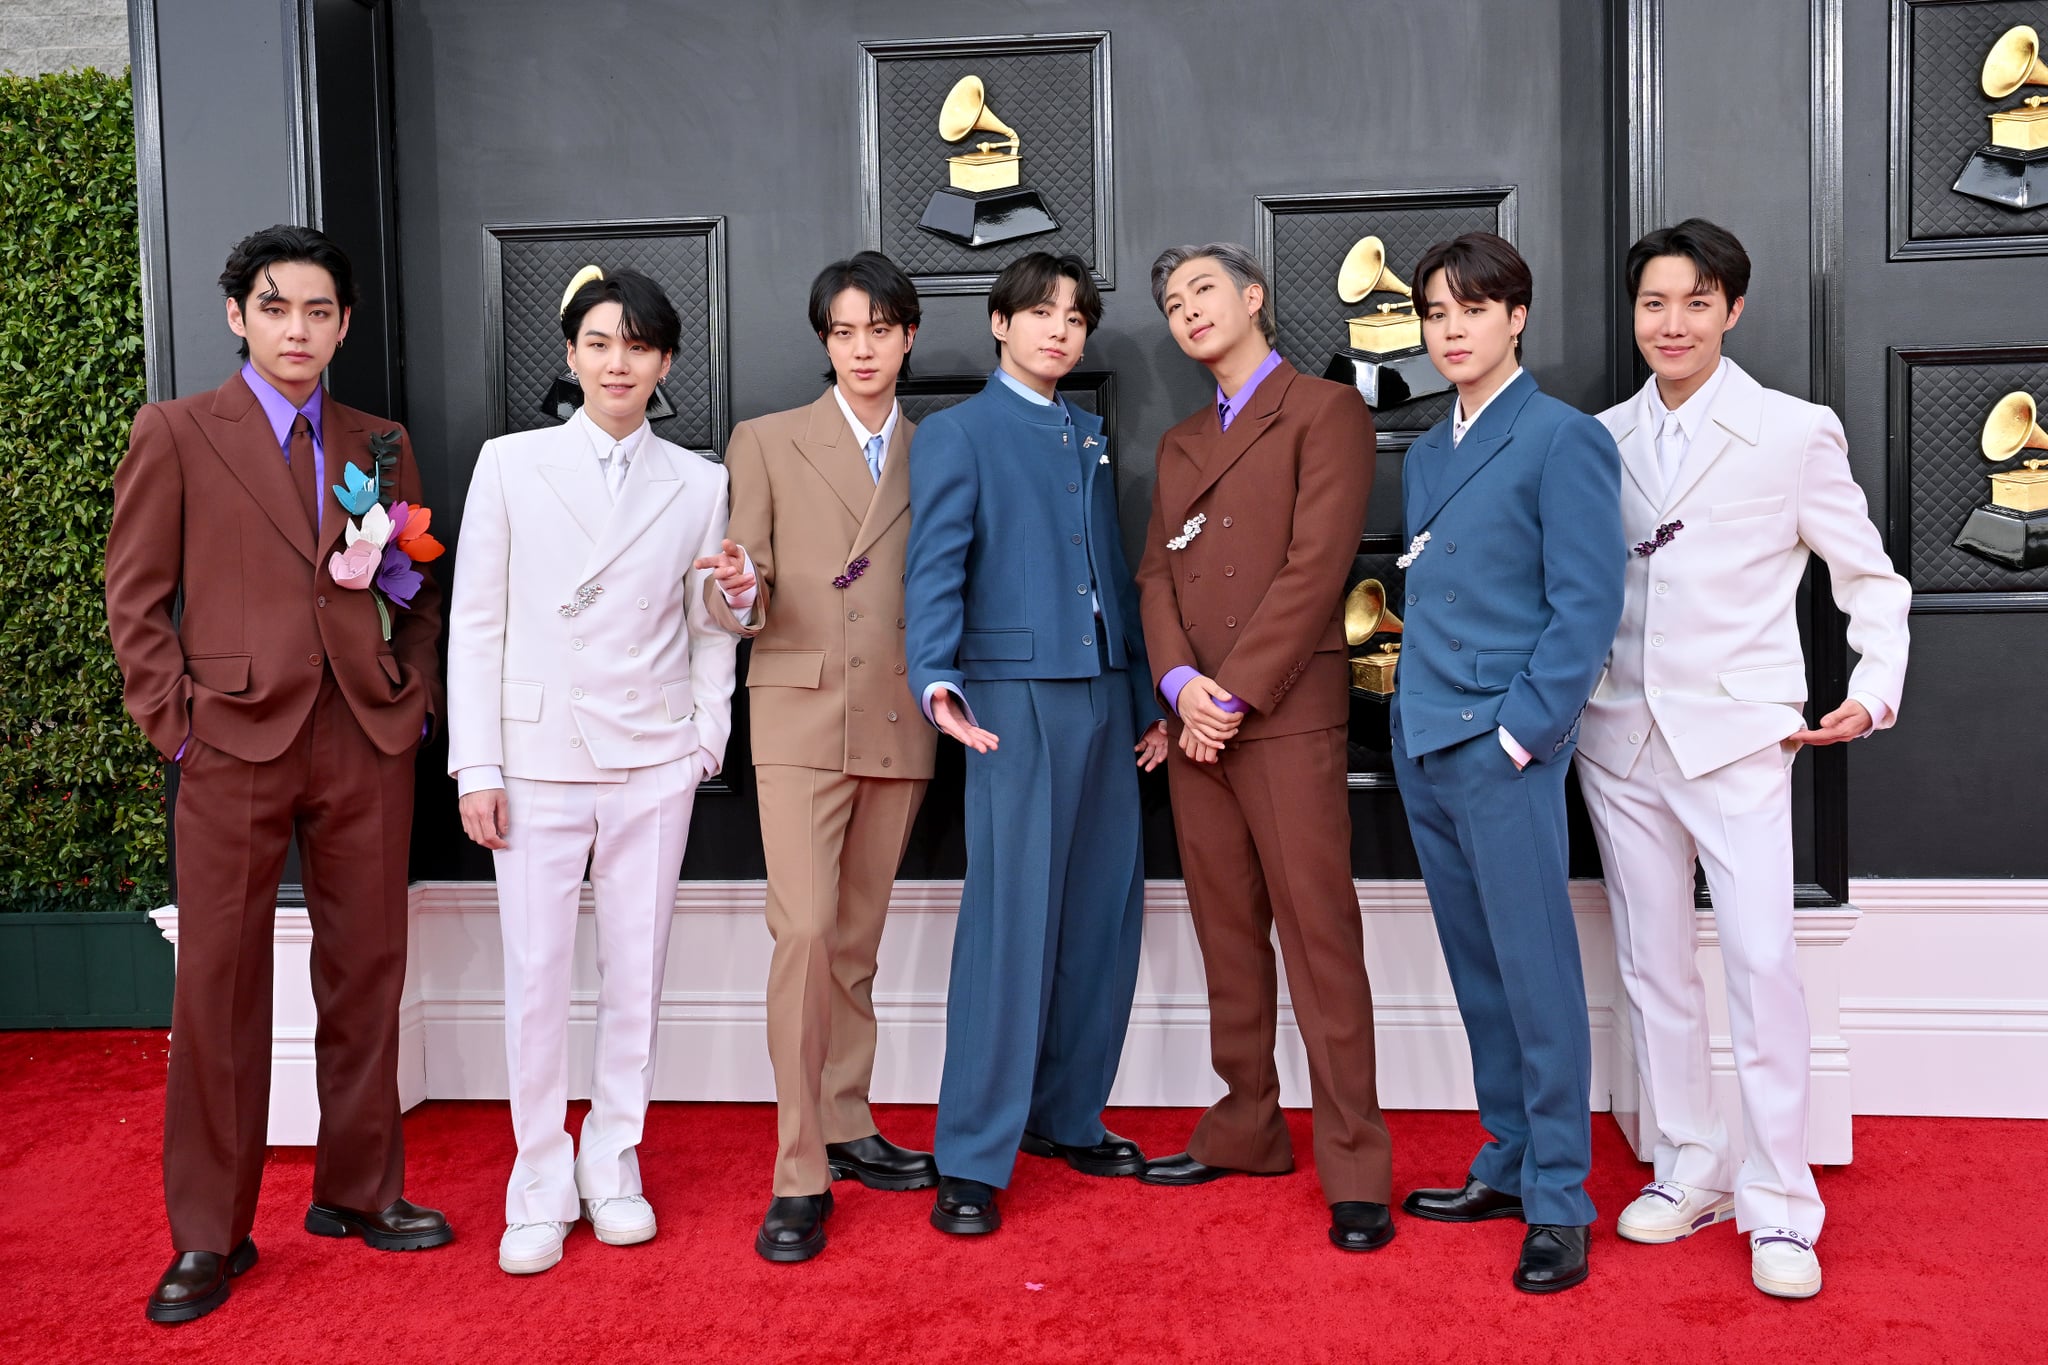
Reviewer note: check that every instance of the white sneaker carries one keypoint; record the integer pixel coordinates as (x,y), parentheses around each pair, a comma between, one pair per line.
(1667,1211)
(1782,1262)
(529,1248)
(620,1221)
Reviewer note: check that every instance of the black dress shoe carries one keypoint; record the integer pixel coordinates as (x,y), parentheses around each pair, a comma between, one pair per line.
(794,1229)
(1553,1258)
(1473,1204)
(1182,1169)
(197,1283)
(965,1207)
(1113,1155)
(880,1164)
(400,1225)
(1358,1226)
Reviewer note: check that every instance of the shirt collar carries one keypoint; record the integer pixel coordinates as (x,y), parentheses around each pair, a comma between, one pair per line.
(1692,413)
(1020,387)
(1463,425)
(1234,402)
(602,441)
(279,409)
(861,433)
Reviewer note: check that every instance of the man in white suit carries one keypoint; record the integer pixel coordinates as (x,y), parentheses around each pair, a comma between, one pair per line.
(589,693)
(1688,741)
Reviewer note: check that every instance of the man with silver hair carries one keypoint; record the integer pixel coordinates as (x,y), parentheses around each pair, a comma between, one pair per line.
(1256,517)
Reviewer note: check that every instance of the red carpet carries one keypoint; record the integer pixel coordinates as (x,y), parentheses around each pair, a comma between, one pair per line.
(1920,1265)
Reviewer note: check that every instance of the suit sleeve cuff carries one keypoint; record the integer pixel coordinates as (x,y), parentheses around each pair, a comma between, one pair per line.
(939,687)
(481,778)
(1881,716)
(1513,747)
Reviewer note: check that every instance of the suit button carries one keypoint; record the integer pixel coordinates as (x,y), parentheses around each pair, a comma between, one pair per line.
(642,604)
(320,601)
(856,661)
(1411,599)
(1663,588)
(313,659)
(1077,540)
(577,693)
(1656,691)
(887,762)
(1229,571)
(1466,715)
(853,616)
(1456,646)
(899,670)
(1191,578)
(1230,621)
(636,734)
(1450,547)
(1073,488)
(892,716)
(1635,737)
(632,651)
(1087,639)
(1656,639)
(632,694)
(1450,597)
(1081,588)
(576,644)
(576,743)
(1226,521)
(899,626)
(1187,625)
(1457,687)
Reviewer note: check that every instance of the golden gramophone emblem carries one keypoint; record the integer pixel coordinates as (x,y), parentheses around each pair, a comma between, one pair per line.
(2012,529)
(564,393)
(2011,169)
(1384,359)
(1366,615)
(983,201)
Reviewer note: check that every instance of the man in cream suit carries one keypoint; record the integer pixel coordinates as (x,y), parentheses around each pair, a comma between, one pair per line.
(590,691)
(1690,736)
(821,517)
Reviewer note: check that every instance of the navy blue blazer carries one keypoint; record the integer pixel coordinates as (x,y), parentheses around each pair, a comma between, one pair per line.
(1012,517)
(1513,602)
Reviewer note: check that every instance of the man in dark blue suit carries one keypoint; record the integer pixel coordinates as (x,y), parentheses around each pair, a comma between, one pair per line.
(1023,623)
(1512,506)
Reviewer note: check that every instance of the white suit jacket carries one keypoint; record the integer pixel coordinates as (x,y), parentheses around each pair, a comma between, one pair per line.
(627,677)
(1709,641)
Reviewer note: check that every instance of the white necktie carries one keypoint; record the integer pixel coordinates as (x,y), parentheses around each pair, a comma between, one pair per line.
(874,454)
(1670,449)
(615,471)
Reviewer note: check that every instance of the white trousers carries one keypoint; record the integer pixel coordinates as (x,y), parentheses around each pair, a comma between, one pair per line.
(631,834)
(1737,822)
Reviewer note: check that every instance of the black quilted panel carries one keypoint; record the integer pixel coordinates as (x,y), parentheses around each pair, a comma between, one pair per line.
(1308,246)
(1948,116)
(1048,97)
(1950,474)
(535,271)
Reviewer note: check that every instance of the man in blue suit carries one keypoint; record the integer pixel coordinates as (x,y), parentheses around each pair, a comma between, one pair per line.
(1512,506)
(1023,623)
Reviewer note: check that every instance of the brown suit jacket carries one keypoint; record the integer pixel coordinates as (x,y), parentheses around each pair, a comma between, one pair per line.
(826,681)
(205,510)
(1255,601)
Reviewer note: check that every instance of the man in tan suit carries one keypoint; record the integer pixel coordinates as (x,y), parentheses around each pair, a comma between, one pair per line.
(813,573)
(1256,516)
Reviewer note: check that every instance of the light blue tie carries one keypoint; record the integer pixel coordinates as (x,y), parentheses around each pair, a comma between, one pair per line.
(874,454)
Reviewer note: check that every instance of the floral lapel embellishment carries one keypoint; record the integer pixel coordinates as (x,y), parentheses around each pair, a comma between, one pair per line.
(1415,549)
(853,571)
(357,491)
(1665,535)
(380,547)
(1091,441)
(1189,529)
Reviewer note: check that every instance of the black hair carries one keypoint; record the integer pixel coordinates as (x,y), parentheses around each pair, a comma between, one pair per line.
(892,298)
(1479,267)
(1034,279)
(645,314)
(250,260)
(1717,257)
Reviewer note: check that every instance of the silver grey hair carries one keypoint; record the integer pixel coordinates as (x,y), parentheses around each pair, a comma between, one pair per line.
(1237,262)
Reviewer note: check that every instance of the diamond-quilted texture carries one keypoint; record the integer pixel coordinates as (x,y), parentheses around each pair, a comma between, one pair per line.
(1948,117)
(1950,476)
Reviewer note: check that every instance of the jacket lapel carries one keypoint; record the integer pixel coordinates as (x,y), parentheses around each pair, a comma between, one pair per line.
(346,441)
(241,435)
(572,472)
(652,482)
(1491,434)
(1229,446)
(1737,412)
(1638,445)
(889,499)
(828,446)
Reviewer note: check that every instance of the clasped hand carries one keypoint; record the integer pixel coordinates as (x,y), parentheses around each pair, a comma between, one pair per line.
(950,715)
(1207,727)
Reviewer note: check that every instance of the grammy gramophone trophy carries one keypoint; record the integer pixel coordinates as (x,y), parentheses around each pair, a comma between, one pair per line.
(983,204)
(2012,529)
(1385,360)
(1366,615)
(2012,168)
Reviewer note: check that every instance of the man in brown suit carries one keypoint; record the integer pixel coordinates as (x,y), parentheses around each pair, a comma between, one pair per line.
(821,517)
(290,712)
(1256,515)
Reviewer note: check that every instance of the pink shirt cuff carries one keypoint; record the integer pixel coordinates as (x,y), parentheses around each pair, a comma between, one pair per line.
(1514,748)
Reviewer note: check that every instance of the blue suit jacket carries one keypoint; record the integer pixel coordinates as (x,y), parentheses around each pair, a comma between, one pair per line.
(1012,517)
(1512,605)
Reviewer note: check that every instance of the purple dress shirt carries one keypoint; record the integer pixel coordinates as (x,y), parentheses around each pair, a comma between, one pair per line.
(282,414)
(1228,406)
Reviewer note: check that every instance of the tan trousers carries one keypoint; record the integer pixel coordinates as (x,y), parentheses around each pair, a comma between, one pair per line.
(833,843)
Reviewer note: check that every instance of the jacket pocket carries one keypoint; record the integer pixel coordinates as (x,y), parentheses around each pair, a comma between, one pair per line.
(786,667)
(219,672)
(995,644)
(682,703)
(389,663)
(520,701)
(1498,667)
(1772,682)
(1743,511)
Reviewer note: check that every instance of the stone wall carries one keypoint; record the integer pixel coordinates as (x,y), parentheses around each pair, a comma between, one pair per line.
(55,35)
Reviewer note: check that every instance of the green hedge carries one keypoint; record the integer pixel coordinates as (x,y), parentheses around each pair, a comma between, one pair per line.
(81,793)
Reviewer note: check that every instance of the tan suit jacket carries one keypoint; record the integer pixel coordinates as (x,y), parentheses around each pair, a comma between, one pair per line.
(826,679)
